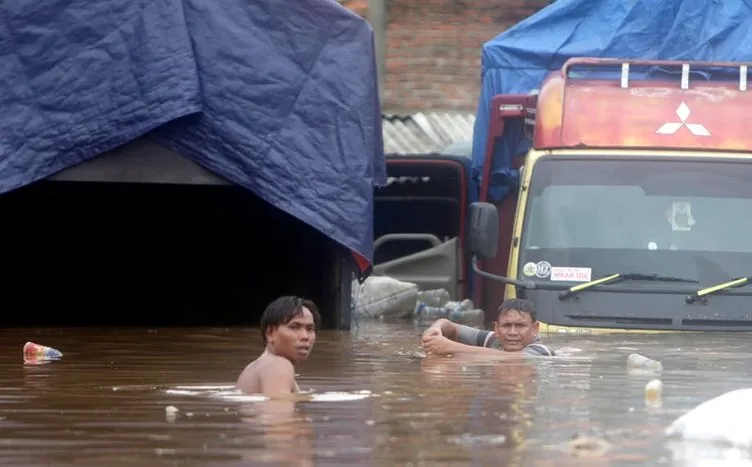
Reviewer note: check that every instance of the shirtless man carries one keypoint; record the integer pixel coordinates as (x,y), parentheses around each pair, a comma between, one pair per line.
(515,330)
(288,330)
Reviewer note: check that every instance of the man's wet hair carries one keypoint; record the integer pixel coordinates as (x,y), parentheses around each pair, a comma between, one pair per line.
(282,310)
(518,304)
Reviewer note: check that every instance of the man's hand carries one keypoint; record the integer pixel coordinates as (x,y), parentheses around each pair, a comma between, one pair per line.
(432,331)
(436,344)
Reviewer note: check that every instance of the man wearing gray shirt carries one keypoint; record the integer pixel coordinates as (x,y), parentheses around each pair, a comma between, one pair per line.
(515,330)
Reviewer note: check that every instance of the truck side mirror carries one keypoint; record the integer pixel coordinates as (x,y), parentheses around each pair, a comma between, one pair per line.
(483,235)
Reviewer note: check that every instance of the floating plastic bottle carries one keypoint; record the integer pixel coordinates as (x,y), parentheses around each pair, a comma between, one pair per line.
(465,316)
(435,297)
(425,312)
(33,351)
(463,311)
(654,392)
(452,306)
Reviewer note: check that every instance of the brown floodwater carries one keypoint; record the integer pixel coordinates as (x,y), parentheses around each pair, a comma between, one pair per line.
(373,400)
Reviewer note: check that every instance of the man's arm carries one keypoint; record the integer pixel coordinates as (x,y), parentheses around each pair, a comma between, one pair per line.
(444,337)
(447,328)
(460,333)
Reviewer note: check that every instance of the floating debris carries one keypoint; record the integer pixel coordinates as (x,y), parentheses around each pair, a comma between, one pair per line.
(36,353)
(654,393)
(636,361)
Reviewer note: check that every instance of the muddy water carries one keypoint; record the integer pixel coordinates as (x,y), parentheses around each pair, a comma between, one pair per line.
(374,400)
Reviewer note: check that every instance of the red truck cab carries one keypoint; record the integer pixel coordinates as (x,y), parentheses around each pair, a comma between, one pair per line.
(632,207)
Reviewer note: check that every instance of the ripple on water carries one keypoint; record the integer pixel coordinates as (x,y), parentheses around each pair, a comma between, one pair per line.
(231,394)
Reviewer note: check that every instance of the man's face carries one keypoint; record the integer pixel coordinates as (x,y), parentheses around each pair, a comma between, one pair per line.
(515,330)
(294,339)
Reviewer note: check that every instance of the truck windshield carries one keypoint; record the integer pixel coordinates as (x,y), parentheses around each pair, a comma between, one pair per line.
(590,217)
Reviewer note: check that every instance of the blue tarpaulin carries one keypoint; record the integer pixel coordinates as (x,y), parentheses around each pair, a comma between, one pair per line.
(516,61)
(278,97)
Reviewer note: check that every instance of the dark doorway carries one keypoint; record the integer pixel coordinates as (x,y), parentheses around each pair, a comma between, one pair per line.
(85,253)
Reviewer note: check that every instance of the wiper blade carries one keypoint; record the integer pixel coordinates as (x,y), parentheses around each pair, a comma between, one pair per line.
(613,278)
(738,282)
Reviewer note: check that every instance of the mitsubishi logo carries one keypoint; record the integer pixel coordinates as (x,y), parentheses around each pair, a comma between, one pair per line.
(669,128)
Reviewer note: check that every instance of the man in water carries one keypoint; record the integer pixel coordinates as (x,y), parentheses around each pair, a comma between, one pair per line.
(288,330)
(515,330)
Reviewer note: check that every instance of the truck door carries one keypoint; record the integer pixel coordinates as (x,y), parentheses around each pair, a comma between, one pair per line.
(420,222)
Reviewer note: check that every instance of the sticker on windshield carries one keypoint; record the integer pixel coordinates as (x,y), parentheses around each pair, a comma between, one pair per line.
(571,274)
(681,216)
(529,269)
(543,269)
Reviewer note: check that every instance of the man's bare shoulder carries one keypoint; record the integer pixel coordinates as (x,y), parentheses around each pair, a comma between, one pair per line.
(267,374)
(277,366)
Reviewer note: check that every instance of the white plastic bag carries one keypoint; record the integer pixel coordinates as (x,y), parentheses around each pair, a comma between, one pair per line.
(384,297)
(726,419)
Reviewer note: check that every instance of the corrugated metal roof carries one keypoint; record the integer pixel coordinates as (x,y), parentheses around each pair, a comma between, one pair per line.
(422,133)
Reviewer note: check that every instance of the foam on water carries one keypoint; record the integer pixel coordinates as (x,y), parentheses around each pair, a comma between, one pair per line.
(230,394)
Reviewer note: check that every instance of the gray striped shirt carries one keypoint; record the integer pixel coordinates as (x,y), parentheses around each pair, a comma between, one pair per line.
(482,338)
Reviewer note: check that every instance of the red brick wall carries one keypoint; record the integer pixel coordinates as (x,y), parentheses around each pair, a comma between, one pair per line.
(433,48)
(358,6)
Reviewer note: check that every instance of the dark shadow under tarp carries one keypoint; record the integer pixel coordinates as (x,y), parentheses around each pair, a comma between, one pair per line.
(106,254)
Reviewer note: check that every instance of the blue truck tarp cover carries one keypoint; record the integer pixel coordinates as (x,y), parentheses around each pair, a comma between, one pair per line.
(516,61)
(279,97)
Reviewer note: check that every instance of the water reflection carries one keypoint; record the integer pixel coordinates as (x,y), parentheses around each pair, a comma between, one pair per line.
(104,402)
(284,433)
(494,417)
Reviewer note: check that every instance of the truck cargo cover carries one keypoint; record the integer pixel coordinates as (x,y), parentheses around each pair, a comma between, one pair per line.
(517,60)
(278,97)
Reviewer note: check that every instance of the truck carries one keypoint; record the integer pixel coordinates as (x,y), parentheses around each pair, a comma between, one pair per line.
(631,211)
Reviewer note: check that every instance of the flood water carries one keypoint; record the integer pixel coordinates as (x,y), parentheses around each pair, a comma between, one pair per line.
(375,401)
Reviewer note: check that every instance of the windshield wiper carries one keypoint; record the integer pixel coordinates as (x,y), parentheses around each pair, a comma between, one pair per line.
(613,278)
(738,282)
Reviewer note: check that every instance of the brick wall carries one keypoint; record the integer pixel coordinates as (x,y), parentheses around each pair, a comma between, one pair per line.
(433,48)
(358,6)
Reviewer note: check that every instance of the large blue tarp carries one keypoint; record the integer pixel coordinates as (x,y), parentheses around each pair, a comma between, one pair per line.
(517,60)
(280,97)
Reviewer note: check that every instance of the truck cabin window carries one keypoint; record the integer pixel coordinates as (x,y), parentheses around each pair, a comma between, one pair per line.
(683,217)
